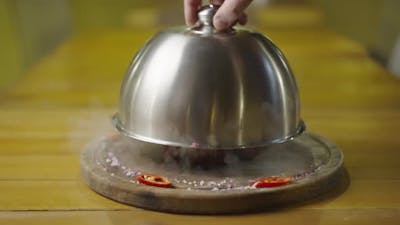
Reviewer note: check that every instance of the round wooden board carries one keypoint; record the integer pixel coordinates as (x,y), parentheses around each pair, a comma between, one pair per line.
(179,200)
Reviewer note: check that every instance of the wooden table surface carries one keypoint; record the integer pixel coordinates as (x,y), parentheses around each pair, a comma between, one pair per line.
(67,99)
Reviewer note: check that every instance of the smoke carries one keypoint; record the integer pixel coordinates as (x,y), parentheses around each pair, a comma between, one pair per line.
(206,169)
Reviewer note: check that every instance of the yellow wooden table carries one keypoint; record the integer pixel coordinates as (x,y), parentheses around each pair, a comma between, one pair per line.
(67,99)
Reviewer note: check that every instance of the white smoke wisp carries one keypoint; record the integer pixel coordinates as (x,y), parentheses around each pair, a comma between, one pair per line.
(202,169)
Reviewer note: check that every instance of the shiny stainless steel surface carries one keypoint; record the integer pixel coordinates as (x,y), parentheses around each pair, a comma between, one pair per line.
(197,88)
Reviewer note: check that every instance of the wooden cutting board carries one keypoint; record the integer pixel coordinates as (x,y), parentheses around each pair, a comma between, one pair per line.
(104,166)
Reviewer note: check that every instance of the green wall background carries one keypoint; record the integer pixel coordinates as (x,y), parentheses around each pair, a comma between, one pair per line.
(374,23)
(32,28)
(10,57)
(29,30)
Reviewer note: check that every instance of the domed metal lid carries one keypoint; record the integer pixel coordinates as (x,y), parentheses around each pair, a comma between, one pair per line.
(199,88)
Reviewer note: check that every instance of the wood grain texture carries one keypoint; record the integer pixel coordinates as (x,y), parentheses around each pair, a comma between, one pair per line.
(142,217)
(67,99)
(74,195)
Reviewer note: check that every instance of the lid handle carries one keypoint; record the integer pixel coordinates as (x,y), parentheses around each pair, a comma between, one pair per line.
(206,14)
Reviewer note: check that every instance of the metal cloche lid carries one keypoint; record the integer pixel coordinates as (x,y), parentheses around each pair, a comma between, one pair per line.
(198,88)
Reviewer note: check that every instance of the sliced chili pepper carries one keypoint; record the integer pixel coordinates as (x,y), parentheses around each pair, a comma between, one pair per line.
(273,181)
(154,180)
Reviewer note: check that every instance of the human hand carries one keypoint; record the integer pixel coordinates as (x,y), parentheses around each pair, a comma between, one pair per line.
(229,13)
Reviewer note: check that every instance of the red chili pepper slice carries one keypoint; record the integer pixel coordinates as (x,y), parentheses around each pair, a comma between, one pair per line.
(154,180)
(273,181)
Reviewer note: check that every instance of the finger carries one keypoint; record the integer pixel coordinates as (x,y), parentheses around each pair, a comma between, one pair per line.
(191,7)
(243,19)
(229,13)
